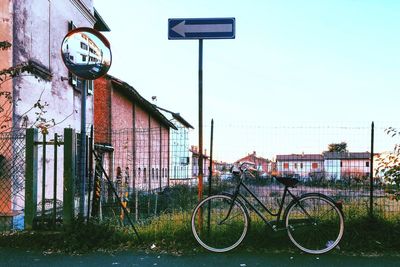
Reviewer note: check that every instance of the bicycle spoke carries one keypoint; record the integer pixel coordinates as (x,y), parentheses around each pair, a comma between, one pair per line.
(221,230)
(314,224)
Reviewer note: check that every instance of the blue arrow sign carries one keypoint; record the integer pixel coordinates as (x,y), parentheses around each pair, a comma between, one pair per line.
(217,28)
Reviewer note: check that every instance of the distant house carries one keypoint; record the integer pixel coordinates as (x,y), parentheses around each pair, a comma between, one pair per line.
(301,165)
(132,134)
(179,147)
(263,165)
(346,165)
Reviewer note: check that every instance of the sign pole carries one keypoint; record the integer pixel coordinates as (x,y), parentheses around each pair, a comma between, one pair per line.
(200,184)
(200,29)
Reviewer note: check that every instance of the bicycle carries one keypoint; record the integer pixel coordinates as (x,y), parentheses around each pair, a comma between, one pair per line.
(313,221)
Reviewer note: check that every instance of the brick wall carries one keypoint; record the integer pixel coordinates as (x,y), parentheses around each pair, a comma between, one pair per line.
(102,108)
(121,111)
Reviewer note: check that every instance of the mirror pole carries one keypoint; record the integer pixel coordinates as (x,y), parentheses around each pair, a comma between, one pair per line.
(82,168)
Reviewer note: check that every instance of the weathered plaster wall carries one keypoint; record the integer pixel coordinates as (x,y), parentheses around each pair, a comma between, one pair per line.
(6,23)
(38,30)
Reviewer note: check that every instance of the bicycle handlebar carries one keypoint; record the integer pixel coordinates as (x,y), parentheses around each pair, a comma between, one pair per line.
(247,163)
(248,169)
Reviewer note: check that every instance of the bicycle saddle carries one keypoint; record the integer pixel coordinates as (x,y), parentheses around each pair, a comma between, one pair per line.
(287,181)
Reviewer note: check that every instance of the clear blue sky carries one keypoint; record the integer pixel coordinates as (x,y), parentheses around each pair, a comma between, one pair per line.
(291,62)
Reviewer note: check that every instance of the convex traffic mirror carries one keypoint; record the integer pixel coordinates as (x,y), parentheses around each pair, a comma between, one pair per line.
(86,53)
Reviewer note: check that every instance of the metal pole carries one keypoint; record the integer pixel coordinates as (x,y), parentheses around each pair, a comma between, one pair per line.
(110,184)
(55,180)
(69,177)
(31,179)
(200,185)
(82,169)
(210,174)
(211,157)
(90,157)
(371,172)
(43,178)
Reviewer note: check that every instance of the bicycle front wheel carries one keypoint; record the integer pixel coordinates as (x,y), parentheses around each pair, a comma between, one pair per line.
(314,223)
(219,224)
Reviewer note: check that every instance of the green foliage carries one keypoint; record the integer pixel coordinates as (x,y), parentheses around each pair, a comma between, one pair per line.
(172,233)
(81,237)
(4,45)
(389,166)
(338,147)
(15,71)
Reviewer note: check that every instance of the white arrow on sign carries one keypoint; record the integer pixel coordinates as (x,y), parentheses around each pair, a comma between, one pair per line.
(182,29)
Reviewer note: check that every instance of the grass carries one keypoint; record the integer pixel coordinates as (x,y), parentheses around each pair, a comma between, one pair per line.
(171,233)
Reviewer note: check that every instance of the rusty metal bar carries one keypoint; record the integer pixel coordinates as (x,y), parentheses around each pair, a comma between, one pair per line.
(43,178)
(55,179)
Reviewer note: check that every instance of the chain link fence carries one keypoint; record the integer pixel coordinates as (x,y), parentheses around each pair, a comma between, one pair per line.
(12,183)
(155,175)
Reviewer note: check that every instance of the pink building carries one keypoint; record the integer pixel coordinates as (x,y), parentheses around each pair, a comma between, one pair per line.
(133,135)
(301,165)
(263,165)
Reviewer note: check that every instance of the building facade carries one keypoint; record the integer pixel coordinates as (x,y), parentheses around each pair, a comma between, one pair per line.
(136,134)
(300,165)
(179,147)
(46,97)
(264,166)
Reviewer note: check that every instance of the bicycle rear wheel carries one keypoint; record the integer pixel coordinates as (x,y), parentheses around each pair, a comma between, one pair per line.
(218,225)
(314,223)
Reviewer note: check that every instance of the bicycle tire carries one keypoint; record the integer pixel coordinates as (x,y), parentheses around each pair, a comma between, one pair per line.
(217,234)
(314,223)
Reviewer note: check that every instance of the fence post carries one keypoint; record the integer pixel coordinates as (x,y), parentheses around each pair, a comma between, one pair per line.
(31,177)
(69,177)
(211,158)
(371,173)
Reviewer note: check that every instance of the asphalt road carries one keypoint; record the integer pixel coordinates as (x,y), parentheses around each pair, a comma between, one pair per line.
(14,257)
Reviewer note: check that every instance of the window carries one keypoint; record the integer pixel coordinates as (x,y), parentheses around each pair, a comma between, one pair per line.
(184,160)
(152,174)
(144,175)
(286,165)
(90,85)
(367,164)
(83,58)
(341,163)
(76,82)
(84,46)
(301,165)
(314,165)
(295,165)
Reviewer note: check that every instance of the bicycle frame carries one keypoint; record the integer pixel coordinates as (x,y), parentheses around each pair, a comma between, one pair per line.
(272,224)
(289,221)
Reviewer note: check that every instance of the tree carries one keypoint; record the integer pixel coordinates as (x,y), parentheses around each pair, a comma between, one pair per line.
(338,147)
(389,165)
